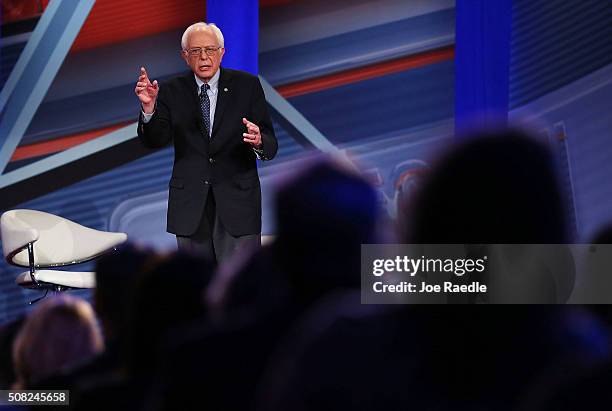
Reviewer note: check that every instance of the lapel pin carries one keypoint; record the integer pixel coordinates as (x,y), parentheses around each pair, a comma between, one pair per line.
(225,89)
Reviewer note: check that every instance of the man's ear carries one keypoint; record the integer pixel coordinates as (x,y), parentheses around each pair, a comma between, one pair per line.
(184,56)
(222,53)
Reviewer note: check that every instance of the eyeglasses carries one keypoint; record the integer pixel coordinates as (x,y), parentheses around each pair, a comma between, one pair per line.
(197,51)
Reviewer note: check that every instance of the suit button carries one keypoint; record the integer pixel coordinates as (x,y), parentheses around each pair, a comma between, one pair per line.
(206,182)
(211,160)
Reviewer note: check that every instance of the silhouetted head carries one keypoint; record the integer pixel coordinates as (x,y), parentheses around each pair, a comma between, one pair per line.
(496,188)
(324,214)
(115,276)
(61,332)
(167,296)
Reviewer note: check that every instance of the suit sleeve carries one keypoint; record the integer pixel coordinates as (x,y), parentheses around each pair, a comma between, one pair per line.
(261,117)
(157,132)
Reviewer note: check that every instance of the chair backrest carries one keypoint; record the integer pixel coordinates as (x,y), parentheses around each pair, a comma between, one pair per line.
(57,240)
(16,234)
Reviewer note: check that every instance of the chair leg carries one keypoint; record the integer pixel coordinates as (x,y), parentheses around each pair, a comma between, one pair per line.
(39,298)
(56,290)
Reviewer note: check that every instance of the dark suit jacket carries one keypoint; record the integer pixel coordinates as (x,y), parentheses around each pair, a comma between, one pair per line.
(224,163)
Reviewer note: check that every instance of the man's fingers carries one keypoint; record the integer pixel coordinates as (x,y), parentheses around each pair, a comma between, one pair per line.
(252,127)
(144,76)
(252,139)
(248,123)
(145,87)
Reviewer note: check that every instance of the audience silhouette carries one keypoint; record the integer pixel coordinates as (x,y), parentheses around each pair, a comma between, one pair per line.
(283,327)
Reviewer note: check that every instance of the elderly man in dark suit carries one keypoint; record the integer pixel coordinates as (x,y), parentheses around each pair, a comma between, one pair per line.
(219,123)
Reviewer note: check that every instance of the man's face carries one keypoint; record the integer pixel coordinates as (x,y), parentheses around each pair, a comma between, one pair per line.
(203,65)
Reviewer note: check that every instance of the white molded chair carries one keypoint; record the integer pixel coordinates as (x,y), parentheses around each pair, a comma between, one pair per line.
(43,241)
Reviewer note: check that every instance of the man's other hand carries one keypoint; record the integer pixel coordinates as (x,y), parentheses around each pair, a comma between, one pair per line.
(252,136)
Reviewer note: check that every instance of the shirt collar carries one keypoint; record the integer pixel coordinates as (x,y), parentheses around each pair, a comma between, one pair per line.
(213,82)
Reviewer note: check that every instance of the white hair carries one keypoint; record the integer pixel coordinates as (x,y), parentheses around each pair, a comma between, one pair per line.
(200,25)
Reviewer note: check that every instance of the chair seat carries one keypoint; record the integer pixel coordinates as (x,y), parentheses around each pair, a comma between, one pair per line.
(72,279)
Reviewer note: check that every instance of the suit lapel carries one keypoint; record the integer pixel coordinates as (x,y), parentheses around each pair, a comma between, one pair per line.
(223,97)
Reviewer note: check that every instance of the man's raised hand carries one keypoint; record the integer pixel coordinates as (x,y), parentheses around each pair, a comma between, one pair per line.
(146,91)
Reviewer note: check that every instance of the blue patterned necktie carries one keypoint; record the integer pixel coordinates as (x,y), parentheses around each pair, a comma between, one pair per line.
(205,107)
